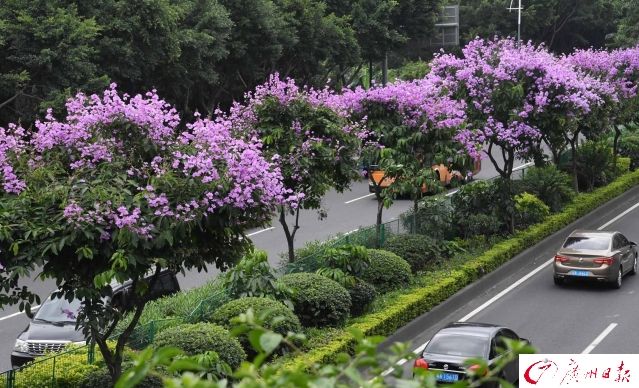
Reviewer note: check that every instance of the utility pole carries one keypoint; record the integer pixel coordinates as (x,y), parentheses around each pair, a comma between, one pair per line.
(519,8)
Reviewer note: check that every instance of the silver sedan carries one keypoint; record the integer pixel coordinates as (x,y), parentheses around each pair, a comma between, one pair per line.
(597,255)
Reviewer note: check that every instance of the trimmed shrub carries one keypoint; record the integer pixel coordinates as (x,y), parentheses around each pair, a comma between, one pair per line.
(434,218)
(100,378)
(362,295)
(318,301)
(201,337)
(387,271)
(549,184)
(286,320)
(529,210)
(480,225)
(416,249)
(70,371)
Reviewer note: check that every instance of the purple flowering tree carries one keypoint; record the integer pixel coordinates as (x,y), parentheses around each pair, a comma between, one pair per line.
(410,126)
(619,70)
(118,190)
(314,147)
(496,79)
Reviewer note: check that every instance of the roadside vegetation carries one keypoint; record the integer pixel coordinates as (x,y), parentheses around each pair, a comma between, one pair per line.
(115,187)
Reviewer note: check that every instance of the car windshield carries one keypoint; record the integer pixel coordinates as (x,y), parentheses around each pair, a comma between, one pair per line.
(594,243)
(58,310)
(458,345)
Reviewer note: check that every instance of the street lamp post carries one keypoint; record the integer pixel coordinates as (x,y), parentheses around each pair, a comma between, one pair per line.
(519,8)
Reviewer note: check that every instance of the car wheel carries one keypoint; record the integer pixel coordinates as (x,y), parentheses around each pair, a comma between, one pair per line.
(617,282)
(634,267)
(558,281)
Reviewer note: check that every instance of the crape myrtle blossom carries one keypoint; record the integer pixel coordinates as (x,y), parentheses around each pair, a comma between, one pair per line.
(171,174)
(12,145)
(619,67)
(287,118)
(509,87)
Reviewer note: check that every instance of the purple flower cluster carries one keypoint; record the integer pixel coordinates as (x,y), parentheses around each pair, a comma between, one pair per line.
(12,145)
(221,168)
(510,88)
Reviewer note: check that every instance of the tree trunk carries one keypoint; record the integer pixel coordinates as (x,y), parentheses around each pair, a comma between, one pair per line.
(573,153)
(415,218)
(113,358)
(615,147)
(378,223)
(290,235)
(385,69)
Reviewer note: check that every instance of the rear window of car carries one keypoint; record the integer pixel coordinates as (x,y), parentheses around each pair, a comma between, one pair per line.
(595,243)
(458,345)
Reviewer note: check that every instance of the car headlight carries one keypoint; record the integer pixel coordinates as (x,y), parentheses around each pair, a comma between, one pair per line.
(21,346)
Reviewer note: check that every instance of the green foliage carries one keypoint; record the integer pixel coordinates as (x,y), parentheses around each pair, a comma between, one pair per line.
(362,294)
(254,276)
(410,305)
(629,147)
(562,25)
(529,210)
(275,315)
(623,165)
(387,271)
(594,164)
(628,28)
(344,263)
(478,197)
(100,378)
(480,225)
(410,71)
(434,218)
(551,185)
(70,370)
(418,250)
(202,337)
(318,301)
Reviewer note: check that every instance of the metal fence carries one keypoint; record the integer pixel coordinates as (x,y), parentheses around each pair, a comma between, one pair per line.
(61,368)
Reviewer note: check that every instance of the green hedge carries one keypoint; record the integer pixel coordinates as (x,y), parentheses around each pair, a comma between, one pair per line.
(409,306)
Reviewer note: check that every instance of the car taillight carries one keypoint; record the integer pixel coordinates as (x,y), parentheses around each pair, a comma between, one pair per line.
(420,363)
(561,259)
(604,260)
(477,369)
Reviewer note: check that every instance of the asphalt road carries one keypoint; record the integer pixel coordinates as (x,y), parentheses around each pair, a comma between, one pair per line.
(521,295)
(346,211)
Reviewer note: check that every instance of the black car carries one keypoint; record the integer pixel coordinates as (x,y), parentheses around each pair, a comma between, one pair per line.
(446,352)
(53,326)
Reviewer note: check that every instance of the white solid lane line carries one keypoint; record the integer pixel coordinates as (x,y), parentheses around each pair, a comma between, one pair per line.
(260,231)
(507,290)
(636,205)
(16,314)
(357,199)
(600,338)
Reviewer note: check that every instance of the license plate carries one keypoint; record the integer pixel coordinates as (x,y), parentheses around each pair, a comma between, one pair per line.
(579,273)
(447,377)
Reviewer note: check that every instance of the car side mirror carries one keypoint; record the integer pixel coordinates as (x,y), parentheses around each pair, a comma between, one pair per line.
(632,243)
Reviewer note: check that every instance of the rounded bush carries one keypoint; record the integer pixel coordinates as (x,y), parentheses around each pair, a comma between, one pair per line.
(287,320)
(386,271)
(629,147)
(416,249)
(100,378)
(362,294)
(201,337)
(318,301)
(529,209)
